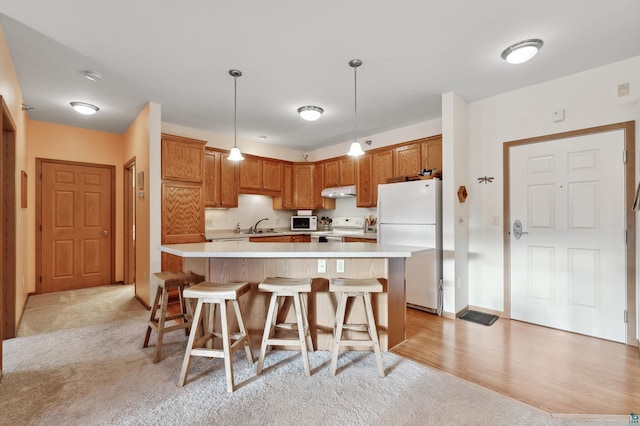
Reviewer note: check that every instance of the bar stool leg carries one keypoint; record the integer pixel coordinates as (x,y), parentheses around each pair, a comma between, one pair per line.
(192,337)
(305,318)
(302,332)
(161,321)
(267,330)
(152,317)
(243,330)
(342,307)
(371,326)
(226,346)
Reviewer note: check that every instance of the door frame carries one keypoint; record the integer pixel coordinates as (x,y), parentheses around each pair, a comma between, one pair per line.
(39,163)
(129,168)
(8,263)
(630,217)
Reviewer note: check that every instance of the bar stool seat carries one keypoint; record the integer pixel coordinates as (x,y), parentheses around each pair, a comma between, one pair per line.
(348,287)
(215,294)
(166,281)
(281,288)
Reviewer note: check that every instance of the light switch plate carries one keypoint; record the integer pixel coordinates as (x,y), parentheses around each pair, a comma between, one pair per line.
(322,266)
(340,265)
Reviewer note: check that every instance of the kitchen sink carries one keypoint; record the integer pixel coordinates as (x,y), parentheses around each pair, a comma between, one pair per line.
(262,231)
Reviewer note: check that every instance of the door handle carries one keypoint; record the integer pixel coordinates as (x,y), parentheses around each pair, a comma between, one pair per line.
(105,232)
(517,229)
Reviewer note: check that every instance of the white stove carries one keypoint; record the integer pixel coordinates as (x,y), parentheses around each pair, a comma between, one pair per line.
(340,226)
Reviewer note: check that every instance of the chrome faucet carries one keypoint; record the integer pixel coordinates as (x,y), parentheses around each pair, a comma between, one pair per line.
(254,230)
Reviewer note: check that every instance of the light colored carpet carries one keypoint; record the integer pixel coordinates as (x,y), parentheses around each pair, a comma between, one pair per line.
(78,360)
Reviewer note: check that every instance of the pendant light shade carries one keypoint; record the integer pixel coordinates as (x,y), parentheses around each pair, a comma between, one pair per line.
(356,149)
(235,154)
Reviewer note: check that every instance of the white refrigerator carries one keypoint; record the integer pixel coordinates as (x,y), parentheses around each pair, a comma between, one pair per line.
(410,214)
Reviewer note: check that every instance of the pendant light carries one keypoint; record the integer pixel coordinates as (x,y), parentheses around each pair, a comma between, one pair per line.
(356,149)
(235,154)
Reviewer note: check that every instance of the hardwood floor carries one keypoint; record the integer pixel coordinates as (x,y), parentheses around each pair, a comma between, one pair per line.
(556,371)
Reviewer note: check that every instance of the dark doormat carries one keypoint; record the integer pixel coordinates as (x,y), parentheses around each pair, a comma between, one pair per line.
(479,317)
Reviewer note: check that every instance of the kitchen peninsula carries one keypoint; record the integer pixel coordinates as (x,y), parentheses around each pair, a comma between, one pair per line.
(236,261)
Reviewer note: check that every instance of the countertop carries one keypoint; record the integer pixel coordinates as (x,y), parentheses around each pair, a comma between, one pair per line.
(231,235)
(246,249)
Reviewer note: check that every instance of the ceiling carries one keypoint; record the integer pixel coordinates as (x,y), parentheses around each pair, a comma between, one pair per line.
(294,53)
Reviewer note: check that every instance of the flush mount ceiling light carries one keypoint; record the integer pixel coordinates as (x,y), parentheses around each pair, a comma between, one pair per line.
(522,51)
(92,75)
(310,112)
(356,149)
(235,154)
(84,108)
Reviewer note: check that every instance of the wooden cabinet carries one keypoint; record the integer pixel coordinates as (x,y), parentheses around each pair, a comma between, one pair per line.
(372,169)
(359,240)
(304,186)
(259,175)
(407,160)
(320,201)
(182,159)
(298,187)
(220,180)
(182,195)
(432,153)
(339,172)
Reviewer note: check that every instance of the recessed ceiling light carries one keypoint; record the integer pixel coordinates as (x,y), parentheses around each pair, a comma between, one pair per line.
(310,112)
(522,51)
(84,108)
(92,75)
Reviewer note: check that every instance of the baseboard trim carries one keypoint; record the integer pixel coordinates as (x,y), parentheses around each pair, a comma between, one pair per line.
(143,302)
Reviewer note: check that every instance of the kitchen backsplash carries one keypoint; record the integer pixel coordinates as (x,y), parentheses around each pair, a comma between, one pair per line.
(252,208)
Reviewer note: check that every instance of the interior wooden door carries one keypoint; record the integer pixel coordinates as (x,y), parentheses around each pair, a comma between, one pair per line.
(568,249)
(76,211)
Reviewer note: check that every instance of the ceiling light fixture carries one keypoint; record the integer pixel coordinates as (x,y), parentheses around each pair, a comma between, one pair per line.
(92,75)
(356,149)
(84,108)
(522,51)
(310,112)
(235,154)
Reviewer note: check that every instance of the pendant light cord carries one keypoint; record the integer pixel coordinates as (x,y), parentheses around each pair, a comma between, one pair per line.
(235,110)
(355,104)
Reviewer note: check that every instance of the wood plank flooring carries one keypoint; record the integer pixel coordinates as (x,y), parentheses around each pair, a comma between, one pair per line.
(556,371)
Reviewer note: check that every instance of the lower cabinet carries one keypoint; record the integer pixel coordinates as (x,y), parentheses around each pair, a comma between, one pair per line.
(359,240)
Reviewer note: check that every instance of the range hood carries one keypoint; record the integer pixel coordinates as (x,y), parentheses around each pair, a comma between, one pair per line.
(339,192)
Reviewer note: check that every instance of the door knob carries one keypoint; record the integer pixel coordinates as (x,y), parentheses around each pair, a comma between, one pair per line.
(517,229)
(105,232)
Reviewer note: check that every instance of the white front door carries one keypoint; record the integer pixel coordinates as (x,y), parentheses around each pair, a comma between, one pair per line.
(568,266)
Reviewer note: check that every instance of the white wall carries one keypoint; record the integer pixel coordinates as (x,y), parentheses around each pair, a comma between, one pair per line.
(588,98)
(378,140)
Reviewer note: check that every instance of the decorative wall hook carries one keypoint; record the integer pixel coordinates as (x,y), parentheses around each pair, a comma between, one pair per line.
(485,179)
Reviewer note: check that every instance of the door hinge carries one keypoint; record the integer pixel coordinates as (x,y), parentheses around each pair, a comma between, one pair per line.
(626,316)
(40,278)
(40,228)
(625,236)
(624,157)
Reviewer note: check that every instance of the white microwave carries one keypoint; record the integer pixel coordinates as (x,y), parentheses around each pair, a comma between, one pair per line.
(304,223)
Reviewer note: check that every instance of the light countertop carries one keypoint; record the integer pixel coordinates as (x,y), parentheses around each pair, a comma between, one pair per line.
(230,235)
(246,249)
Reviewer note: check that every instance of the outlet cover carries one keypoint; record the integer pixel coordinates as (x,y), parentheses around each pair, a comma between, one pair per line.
(322,266)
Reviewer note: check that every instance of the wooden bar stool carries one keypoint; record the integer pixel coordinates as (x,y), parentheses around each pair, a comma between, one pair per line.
(355,288)
(216,294)
(167,281)
(282,288)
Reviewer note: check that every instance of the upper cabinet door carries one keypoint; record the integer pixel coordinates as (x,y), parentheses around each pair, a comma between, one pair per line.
(251,173)
(271,175)
(407,160)
(182,159)
(432,153)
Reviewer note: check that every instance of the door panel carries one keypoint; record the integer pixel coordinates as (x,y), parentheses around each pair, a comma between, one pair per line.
(76,226)
(568,268)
